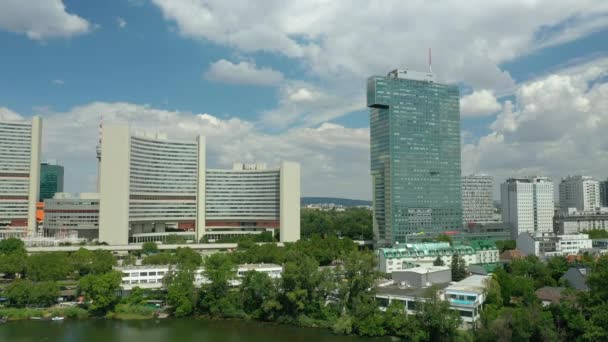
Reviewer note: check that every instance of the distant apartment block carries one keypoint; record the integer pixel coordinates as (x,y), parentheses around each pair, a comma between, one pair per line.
(547,245)
(574,221)
(527,205)
(604,193)
(477,198)
(152,187)
(65,214)
(415,155)
(51,180)
(579,192)
(19,175)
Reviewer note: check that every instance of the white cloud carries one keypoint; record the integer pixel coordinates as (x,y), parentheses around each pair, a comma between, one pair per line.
(58,82)
(334,159)
(242,73)
(555,127)
(8,115)
(41,19)
(479,103)
(121,22)
(339,43)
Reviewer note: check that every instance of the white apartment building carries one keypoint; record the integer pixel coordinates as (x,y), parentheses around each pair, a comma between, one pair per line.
(579,192)
(152,187)
(151,276)
(546,245)
(19,175)
(66,212)
(527,205)
(477,199)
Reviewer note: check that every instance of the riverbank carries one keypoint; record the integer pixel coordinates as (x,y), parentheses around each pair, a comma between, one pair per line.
(16,314)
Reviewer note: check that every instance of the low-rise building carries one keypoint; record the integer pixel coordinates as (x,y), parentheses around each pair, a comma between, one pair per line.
(423,276)
(546,245)
(576,277)
(574,222)
(152,276)
(425,254)
(466,296)
(66,212)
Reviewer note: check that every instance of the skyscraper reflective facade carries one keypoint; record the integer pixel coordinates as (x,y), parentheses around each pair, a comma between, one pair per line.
(415,155)
(51,180)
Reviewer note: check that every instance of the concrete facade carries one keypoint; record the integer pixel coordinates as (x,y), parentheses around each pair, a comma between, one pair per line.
(527,205)
(64,213)
(579,192)
(477,206)
(290,202)
(19,174)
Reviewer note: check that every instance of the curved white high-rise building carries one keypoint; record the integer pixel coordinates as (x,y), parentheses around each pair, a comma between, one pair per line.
(152,187)
(19,174)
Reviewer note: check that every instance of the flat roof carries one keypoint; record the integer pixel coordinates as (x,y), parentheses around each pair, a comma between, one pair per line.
(396,290)
(424,270)
(474,283)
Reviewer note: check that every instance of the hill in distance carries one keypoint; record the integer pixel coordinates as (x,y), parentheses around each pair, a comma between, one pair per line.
(346,202)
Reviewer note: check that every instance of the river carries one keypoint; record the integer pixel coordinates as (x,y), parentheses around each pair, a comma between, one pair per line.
(179,330)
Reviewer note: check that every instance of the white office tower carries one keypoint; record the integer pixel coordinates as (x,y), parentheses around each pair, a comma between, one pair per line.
(579,192)
(527,205)
(149,185)
(251,199)
(152,187)
(477,199)
(19,175)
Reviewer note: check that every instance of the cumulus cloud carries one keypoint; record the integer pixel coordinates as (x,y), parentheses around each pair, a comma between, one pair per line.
(340,44)
(334,159)
(242,73)
(479,103)
(41,19)
(8,115)
(58,82)
(554,127)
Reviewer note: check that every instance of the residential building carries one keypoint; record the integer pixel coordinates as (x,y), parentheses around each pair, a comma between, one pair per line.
(408,256)
(549,295)
(152,187)
(51,180)
(579,192)
(68,213)
(19,175)
(527,205)
(576,221)
(423,276)
(465,297)
(546,245)
(151,276)
(604,193)
(415,155)
(477,199)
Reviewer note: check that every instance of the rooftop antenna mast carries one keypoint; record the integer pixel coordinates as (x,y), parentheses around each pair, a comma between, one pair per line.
(430,62)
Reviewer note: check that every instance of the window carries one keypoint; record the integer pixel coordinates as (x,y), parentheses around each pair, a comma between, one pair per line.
(143,274)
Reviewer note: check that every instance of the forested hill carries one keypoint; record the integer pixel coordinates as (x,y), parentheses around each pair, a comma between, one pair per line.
(346,202)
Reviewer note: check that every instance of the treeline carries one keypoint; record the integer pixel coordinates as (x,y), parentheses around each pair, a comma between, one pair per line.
(354,223)
(513,312)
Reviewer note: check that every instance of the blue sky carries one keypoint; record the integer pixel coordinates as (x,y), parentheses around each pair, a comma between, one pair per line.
(285,80)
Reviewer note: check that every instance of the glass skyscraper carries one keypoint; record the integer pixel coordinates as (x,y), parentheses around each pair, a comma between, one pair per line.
(415,155)
(51,180)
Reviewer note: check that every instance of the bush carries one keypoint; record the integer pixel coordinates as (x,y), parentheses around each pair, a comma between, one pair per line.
(70,312)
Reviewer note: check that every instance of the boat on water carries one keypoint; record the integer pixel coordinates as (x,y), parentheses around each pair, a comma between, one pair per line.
(57,318)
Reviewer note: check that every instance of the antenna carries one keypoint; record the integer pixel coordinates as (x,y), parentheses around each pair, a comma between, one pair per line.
(430,61)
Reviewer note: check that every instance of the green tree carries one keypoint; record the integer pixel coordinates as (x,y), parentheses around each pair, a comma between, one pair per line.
(163,258)
(181,293)
(11,245)
(174,239)
(436,318)
(438,261)
(504,245)
(215,298)
(398,323)
(44,293)
(18,293)
(557,266)
(136,296)
(149,247)
(458,269)
(14,263)
(257,291)
(85,261)
(48,266)
(100,290)
(188,256)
